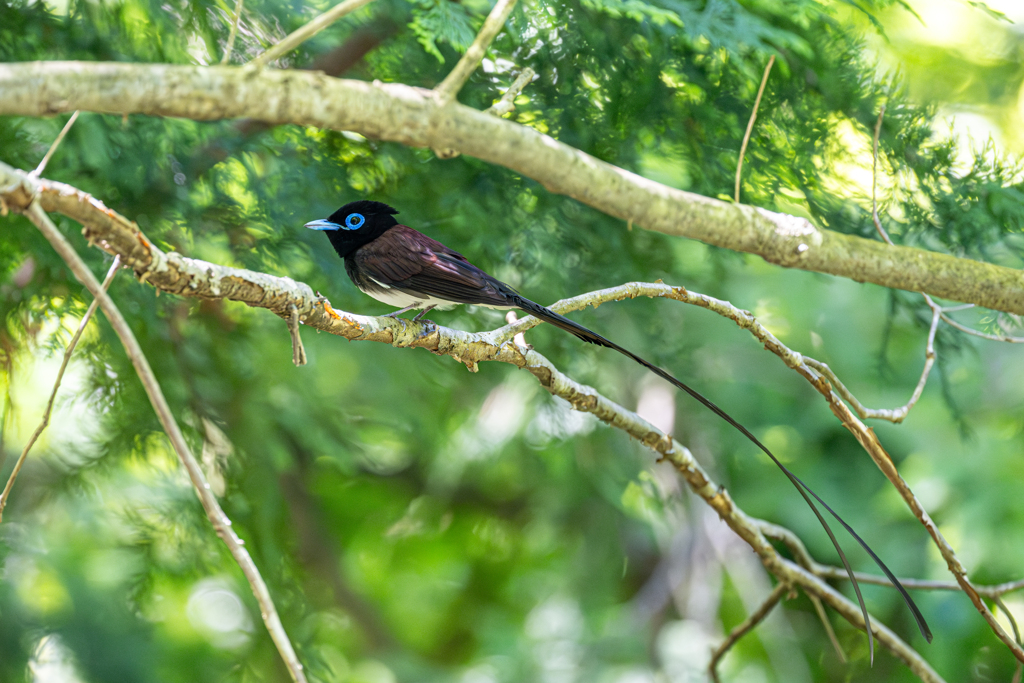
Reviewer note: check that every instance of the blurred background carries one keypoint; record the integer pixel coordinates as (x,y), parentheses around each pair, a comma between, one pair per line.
(416,522)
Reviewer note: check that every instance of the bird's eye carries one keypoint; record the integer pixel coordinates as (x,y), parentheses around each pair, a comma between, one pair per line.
(354,221)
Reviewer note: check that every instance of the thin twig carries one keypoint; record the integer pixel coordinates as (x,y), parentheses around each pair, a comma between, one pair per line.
(807,562)
(975,593)
(823,617)
(803,557)
(507,102)
(453,82)
(504,106)
(298,350)
(45,421)
(743,629)
(874,178)
(825,571)
(296,38)
(895,415)
(1016,634)
(992,591)
(984,335)
(1009,615)
(53,148)
(520,338)
(898,414)
(750,126)
(231,36)
(220,521)
(5,416)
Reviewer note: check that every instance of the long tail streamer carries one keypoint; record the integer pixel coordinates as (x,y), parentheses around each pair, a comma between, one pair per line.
(591,337)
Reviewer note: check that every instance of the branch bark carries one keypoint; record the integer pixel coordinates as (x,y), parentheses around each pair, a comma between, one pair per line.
(413,116)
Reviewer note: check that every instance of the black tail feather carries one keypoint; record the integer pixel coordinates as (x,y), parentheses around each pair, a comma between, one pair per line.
(549,316)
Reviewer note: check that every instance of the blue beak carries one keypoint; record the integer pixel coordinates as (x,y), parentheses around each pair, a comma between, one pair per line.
(322,224)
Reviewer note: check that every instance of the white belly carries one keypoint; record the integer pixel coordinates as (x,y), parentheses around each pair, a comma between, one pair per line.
(399,299)
(403,300)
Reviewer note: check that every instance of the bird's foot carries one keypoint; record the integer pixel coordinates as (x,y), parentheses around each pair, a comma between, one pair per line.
(395,314)
(419,316)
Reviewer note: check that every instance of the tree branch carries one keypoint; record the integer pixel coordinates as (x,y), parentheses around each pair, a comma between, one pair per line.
(45,421)
(299,36)
(746,627)
(220,521)
(953,563)
(413,116)
(750,128)
(298,350)
(453,82)
(507,102)
(894,415)
(53,148)
(233,33)
(174,273)
(984,335)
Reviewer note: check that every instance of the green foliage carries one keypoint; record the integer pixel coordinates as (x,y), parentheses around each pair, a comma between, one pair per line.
(418,522)
(635,10)
(995,14)
(442,21)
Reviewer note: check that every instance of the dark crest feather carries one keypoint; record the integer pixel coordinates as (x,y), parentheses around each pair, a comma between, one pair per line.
(363,206)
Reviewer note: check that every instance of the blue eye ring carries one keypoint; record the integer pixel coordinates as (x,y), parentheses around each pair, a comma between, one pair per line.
(354,221)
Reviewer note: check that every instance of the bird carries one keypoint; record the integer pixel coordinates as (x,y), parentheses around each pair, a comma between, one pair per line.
(404,268)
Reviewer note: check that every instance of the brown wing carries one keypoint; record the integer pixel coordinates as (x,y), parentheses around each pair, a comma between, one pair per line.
(410,261)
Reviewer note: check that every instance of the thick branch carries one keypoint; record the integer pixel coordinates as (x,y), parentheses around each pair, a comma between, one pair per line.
(413,116)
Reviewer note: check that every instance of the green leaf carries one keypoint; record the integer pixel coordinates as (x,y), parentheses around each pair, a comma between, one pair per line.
(995,14)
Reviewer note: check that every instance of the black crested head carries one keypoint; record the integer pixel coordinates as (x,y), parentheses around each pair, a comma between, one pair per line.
(364,207)
(356,224)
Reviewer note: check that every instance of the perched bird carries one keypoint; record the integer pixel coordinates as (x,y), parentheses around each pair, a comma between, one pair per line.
(404,268)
